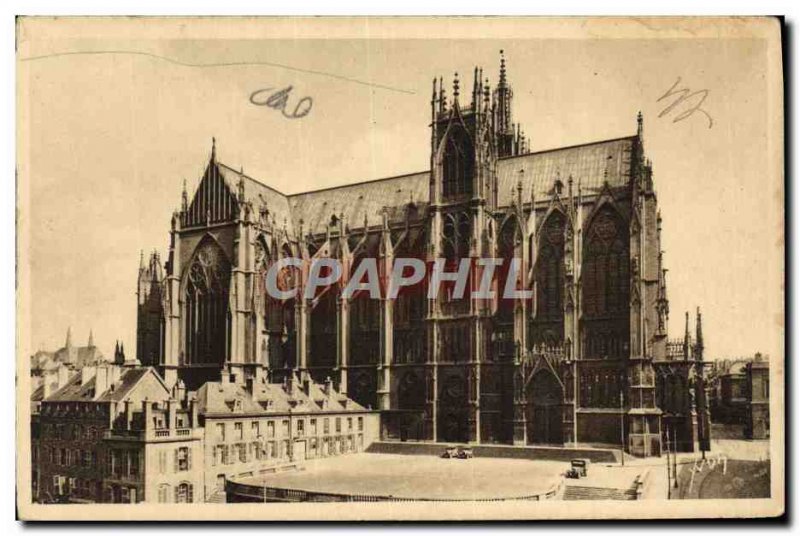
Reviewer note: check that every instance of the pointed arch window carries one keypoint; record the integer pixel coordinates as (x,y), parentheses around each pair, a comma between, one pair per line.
(458,165)
(550,271)
(206,305)
(605,267)
(606,287)
(281,317)
(507,247)
(457,237)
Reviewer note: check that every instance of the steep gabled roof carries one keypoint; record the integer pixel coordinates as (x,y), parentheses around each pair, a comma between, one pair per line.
(117,391)
(218,398)
(590,164)
(126,384)
(258,192)
(73,391)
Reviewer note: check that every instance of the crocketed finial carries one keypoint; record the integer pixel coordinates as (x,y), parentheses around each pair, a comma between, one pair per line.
(455,86)
(502,68)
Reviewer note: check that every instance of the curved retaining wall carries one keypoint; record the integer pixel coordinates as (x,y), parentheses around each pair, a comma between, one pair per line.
(239,492)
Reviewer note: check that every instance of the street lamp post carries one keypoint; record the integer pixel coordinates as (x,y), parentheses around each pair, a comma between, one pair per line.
(622,426)
(675,456)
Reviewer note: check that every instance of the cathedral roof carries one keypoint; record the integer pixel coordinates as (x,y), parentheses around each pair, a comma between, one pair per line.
(590,164)
(256,192)
(354,201)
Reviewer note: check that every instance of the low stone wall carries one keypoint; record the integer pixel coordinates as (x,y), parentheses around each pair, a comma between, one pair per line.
(564,454)
(236,492)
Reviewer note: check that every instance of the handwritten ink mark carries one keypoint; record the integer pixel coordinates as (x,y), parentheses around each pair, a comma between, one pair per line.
(279,100)
(175,61)
(683,96)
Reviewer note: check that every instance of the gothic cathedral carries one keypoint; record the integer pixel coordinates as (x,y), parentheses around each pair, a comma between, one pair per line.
(585,360)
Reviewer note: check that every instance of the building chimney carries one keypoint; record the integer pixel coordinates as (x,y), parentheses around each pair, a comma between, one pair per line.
(260,374)
(225,377)
(147,412)
(47,386)
(193,411)
(62,375)
(328,389)
(172,414)
(179,391)
(128,414)
(291,383)
(101,382)
(87,373)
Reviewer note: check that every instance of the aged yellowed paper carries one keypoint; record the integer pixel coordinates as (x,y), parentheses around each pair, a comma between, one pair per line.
(473,268)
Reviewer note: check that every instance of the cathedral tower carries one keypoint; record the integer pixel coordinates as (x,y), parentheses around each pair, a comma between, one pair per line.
(150,311)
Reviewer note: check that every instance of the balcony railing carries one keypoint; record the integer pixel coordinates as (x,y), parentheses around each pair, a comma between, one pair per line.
(154,434)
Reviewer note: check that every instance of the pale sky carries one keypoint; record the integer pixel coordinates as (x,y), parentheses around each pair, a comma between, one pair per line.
(111,137)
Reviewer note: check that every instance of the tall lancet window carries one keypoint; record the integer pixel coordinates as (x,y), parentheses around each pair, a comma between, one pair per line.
(550,268)
(508,250)
(206,306)
(606,266)
(606,286)
(458,164)
(280,316)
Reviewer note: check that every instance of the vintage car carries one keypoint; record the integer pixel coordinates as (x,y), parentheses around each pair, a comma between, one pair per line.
(581,465)
(451,452)
(464,453)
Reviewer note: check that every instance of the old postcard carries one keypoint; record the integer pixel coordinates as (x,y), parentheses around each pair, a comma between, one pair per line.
(400,268)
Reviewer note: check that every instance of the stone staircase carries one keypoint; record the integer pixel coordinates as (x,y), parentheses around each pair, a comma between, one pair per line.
(589,493)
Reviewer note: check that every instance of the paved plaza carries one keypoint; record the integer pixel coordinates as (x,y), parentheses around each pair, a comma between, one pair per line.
(420,477)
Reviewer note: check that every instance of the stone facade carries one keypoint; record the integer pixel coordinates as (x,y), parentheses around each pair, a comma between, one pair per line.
(757,415)
(118,434)
(71,459)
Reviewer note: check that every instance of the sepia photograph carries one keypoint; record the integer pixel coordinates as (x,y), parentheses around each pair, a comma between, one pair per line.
(399,268)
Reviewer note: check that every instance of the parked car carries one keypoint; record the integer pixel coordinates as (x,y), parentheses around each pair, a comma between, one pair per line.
(464,453)
(572,473)
(451,452)
(581,465)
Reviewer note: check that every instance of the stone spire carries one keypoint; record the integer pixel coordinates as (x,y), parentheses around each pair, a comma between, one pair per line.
(184,198)
(504,126)
(91,339)
(687,339)
(639,124)
(502,69)
(699,345)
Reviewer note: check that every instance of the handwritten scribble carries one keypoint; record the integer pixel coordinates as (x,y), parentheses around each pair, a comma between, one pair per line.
(212,65)
(279,100)
(685,97)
